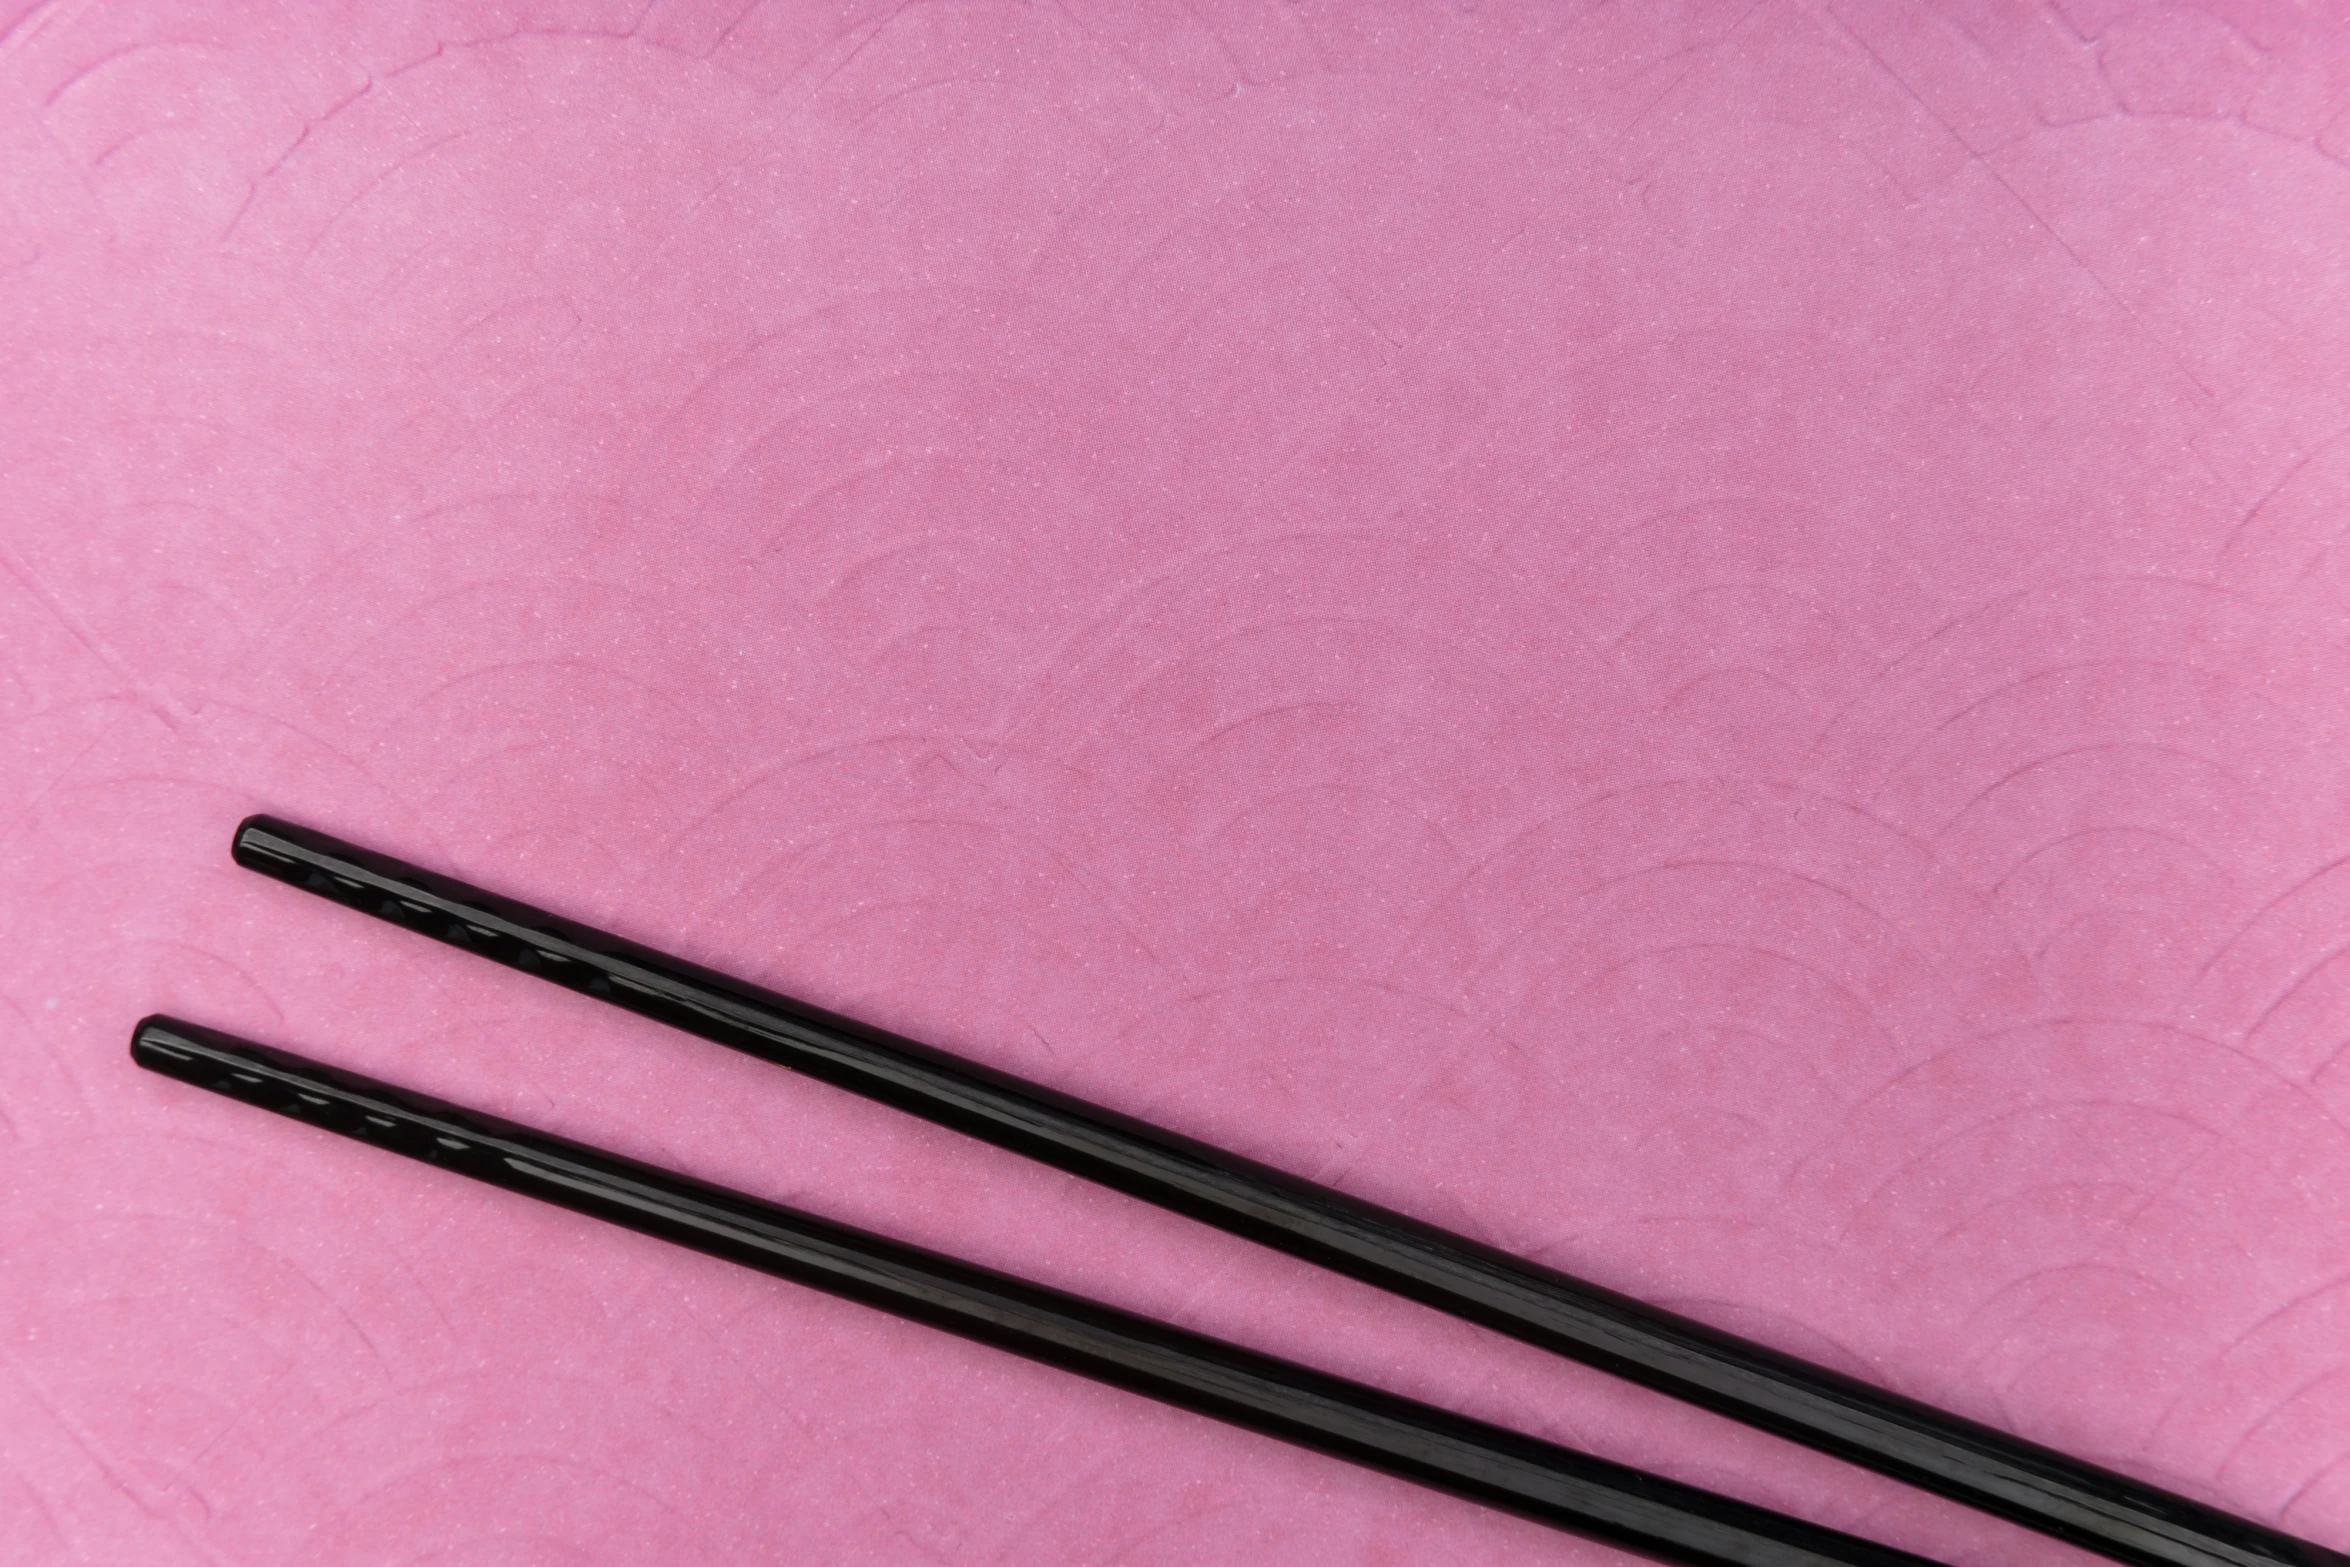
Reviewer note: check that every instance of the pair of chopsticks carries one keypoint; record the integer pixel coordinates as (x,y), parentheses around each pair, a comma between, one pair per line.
(2032,1485)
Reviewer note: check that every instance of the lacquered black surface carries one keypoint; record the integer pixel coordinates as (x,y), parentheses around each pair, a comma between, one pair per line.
(1589,1496)
(1962,1459)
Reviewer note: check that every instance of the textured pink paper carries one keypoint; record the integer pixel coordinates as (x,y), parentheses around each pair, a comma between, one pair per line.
(1706,641)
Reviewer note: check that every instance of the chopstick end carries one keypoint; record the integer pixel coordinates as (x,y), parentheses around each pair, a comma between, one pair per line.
(260,844)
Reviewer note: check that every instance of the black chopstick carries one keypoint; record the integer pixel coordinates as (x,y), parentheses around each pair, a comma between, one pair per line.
(2032,1485)
(1485,1463)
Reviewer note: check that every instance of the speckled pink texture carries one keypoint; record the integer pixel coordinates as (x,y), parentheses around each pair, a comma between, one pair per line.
(1706,641)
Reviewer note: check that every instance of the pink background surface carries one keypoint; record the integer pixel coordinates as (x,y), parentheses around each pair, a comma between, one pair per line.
(1704,641)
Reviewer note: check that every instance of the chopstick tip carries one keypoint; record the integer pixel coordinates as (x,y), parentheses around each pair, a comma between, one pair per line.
(160,1043)
(257,843)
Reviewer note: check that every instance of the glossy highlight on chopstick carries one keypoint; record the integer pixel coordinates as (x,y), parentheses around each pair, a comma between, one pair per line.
(1486,1463)
(1981,1466)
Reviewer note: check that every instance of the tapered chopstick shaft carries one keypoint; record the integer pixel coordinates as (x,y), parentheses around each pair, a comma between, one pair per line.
(1505,1469)
(2035,1486)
